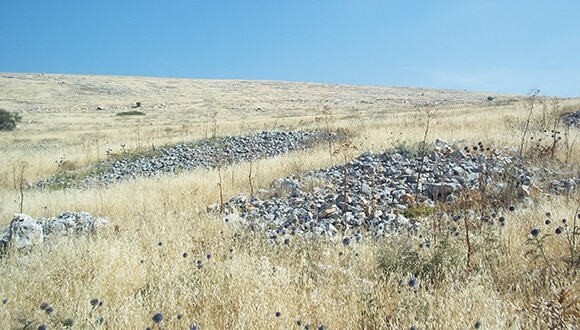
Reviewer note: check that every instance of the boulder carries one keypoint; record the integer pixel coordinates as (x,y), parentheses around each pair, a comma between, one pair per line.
(23,232)
(442,189)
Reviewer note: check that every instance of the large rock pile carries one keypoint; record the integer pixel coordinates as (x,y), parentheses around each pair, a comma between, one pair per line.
(188,156)
(25,232)
(572,119)
(374,190)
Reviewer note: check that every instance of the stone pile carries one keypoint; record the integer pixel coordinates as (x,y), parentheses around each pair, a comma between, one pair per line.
(25,232)
(373,191)
(188,156)
(572,119)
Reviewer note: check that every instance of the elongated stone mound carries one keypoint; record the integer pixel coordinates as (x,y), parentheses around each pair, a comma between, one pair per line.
(189,156)
(25,232)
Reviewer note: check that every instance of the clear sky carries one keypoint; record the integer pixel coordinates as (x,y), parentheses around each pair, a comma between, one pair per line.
(498,46)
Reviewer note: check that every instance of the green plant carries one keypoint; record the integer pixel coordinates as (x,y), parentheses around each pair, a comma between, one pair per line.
(371,311)
(537,241)
(405,148)
(419,211)
(8,120)
(427,261)
(570,232)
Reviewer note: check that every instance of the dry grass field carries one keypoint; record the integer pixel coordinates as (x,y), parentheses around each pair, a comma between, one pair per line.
(136,266)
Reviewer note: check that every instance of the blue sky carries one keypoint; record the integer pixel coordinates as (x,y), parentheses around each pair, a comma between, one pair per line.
(498,46)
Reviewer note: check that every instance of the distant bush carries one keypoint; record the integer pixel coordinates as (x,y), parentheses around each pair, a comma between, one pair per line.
(8,120)
(131,113)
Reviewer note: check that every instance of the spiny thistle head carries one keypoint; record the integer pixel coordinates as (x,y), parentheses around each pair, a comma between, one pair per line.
(95,302)
(346,241)
(157,318)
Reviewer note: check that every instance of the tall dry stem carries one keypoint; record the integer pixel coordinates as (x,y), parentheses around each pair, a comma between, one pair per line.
(22,166)
(530,105)
(429,113)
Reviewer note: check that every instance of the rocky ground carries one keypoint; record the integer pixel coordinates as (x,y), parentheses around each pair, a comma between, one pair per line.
(377,193)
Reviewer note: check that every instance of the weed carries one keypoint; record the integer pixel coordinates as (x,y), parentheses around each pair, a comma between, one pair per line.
(406,148)
(419,211)
(433,264)
(371,310)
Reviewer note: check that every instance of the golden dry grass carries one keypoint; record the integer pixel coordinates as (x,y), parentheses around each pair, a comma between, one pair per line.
(248,279)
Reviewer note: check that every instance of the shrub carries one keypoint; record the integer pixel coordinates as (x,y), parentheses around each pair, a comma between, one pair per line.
(8,120)
(430,262)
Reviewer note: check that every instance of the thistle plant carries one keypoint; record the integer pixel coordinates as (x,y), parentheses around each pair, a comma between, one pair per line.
(537,241)
(532,94)
(571,233)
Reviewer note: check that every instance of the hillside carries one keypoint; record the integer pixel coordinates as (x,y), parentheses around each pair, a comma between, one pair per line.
(215,204)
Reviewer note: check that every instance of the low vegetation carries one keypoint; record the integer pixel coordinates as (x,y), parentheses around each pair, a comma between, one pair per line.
(131,113)
(8,120)
(165,262)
